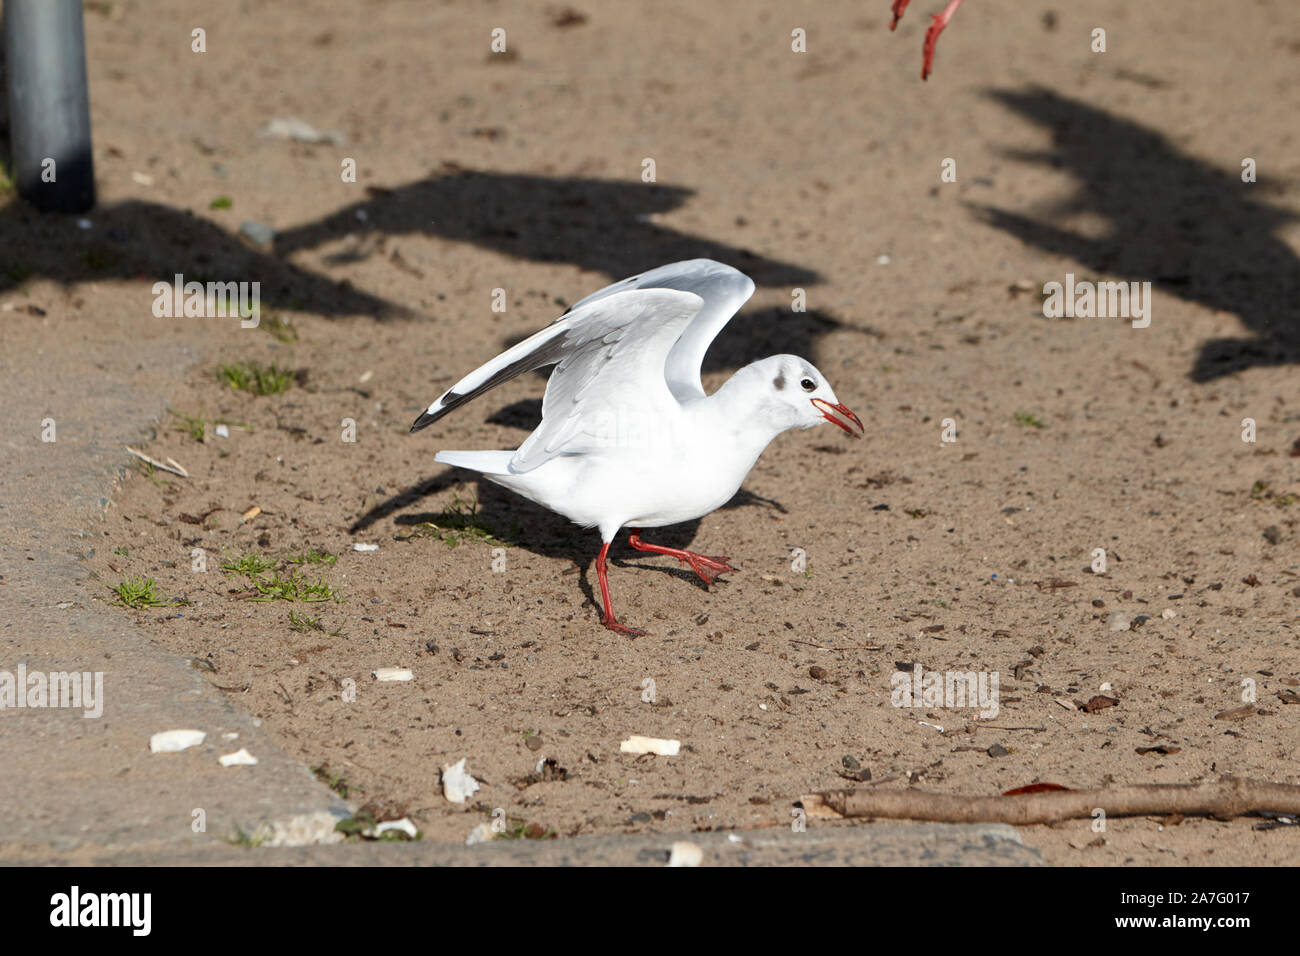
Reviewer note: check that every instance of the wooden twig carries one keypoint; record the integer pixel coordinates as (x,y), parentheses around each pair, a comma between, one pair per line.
(1223,799)
(847,647)
(171,465)
(983,726)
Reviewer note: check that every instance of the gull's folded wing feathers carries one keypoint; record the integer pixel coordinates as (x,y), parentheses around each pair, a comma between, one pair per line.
(723,289)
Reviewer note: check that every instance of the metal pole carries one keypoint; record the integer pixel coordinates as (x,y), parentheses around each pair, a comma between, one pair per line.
(49,104)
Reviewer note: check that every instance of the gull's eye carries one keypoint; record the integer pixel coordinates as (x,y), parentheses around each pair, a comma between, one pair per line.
(808,385)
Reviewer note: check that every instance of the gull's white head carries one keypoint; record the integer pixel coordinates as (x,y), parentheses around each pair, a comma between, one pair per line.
(798,395)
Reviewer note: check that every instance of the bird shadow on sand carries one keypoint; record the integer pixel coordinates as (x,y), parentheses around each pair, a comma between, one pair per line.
(516,522)
(595,224)
(601,225)
(1193,230)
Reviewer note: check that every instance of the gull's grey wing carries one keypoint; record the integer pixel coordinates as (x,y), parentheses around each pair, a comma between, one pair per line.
(610,354)
(723,289)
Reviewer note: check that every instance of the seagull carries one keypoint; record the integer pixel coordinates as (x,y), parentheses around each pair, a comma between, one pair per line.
(629,438)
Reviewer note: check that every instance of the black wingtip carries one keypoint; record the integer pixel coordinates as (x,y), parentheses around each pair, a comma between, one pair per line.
(424,421)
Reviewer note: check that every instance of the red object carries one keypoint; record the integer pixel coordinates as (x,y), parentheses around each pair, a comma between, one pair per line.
(1035,788)
(898,8)
(706,566)
(937,22)
(608,619)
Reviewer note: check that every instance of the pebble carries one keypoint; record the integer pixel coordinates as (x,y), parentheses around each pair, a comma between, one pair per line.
(997,750)
(258,235)
(1119,621)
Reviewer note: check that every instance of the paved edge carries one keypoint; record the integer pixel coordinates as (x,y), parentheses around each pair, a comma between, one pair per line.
(881,844)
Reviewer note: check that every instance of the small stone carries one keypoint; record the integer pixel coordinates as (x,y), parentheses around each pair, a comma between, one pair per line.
(997,750)
(850,762)
(1273,534)
(817,673)
(533,742)
(1118,621)
(257,235)
(1169,614)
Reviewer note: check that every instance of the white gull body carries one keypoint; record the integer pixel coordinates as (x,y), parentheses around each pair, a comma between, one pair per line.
(628,436)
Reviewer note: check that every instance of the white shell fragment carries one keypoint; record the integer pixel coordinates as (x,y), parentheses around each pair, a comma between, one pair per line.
(405,825)
(636,744)
(393,673)
(173,741)
(222,431)
(483,833)
(685,854)
(457,785)
(291,127)
(362,546)
(240,758)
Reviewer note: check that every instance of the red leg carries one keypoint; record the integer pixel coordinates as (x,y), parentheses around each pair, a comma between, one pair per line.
(706,566)
(608,620)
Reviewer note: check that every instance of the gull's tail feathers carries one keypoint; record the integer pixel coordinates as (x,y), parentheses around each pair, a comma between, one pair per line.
(486,462)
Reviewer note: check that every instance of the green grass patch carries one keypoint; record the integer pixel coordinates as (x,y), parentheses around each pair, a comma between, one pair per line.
(256,378)
(197,428)
(285,584)
(332,780)
(221,202)
(280,328)
(302,623)
(294,587)
(1029,420)
(249,564)
(136,592)
(313,556)
(355,828)
(242,837)
(517,829)
(1260,491)
(458,523)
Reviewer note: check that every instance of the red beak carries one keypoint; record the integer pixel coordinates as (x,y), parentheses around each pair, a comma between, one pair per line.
(839,415)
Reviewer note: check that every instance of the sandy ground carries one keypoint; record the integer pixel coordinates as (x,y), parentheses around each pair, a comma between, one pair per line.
(820,171)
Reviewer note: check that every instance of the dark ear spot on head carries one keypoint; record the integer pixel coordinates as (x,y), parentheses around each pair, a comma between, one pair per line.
(779,381)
